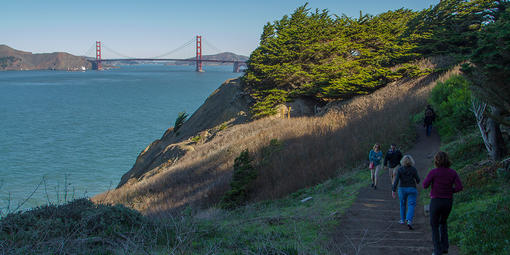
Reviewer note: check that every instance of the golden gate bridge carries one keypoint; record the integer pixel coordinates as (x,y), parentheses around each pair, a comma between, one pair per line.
(97,63)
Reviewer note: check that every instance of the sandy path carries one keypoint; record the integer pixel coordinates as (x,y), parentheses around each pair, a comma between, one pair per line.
(371,226)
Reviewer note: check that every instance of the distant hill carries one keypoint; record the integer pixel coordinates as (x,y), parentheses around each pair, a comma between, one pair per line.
(228,56)
(12,59)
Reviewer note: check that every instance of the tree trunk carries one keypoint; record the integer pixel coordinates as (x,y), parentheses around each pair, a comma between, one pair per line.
(478,110)
(489,129)
(495,136)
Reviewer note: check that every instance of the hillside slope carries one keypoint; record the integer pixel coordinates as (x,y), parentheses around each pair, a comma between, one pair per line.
(228,105)
(12,59)
(312,149)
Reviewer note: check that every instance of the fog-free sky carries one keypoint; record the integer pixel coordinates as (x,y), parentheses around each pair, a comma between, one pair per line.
(146,28)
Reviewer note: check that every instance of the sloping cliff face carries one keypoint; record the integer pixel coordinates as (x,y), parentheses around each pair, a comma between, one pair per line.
(227,105)
(11,59)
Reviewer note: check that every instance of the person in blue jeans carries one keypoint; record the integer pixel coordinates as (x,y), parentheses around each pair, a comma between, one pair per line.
(406,180)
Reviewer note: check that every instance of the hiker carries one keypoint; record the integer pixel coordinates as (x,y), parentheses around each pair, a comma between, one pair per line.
(406,180)
(444,181)
(430,116)
(392,161)
(375,157)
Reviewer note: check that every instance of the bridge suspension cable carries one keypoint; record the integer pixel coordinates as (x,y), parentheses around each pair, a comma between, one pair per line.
(91,51)
(210,45)
(115,52)
(188,43)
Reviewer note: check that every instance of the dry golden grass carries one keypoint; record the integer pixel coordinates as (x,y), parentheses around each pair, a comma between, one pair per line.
(314,149)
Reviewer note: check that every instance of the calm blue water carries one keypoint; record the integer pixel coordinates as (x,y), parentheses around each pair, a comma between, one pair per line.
(83,130)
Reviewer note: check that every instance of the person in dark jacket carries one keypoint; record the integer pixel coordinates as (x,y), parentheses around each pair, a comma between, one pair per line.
(444,182)
(392,161)
(430,117)
(407,177)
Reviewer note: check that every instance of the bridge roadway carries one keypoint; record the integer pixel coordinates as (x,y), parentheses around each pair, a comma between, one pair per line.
(170,59)
(236,63)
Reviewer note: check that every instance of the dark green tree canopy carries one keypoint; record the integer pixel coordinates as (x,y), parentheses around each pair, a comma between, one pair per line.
(450,27)
(490,68)
(322,56)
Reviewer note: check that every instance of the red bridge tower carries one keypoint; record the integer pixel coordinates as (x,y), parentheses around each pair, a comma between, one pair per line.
(99,66)
(199,54)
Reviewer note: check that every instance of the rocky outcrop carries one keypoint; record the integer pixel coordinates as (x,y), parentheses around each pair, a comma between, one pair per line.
(11,59)
(298,107)
(227,105)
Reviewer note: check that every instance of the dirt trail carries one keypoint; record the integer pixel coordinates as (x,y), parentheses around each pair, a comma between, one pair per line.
(371,226)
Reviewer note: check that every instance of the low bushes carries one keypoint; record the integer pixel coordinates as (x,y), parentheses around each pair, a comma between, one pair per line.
(452,101)
(80,227)
(483,227)
(480,220)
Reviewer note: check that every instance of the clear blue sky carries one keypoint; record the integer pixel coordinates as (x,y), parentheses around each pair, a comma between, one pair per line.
(148,28)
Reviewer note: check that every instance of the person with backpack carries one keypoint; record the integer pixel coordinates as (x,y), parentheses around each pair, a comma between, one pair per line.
(406,180)
(430,117)
(444,181)
(392,161)
(375,158)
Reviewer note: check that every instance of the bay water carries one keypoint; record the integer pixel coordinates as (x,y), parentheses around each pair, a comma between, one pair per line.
(66,135)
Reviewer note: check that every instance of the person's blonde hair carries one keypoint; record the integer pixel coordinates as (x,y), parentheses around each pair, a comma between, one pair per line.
(407,160)
(376,146)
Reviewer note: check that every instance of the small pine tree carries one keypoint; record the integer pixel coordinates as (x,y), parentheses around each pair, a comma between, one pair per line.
(180,120)
(244,174)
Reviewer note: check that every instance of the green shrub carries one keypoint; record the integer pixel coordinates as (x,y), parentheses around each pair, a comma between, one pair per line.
(196,138)
(452,101)
(466,150)
(243,176)
(482,226)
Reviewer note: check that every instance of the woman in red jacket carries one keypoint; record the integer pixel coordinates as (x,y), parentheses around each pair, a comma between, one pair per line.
(444,182)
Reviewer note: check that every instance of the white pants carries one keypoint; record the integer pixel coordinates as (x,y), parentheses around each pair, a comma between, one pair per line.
(374,172)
